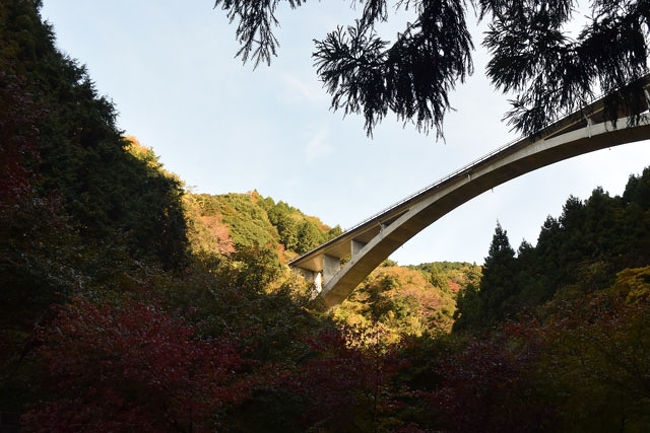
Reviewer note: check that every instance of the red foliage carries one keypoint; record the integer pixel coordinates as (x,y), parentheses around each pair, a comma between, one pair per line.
(488,387)
(22,209)
(344,386)
(454,287)
(18,133)
(131,368)
(331,383)
(220,233)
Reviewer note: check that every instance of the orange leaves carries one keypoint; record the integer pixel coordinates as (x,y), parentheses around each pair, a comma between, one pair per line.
(220,233)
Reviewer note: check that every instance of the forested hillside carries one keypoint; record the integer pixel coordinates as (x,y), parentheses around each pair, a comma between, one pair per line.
(228,222)
(579,252)
(127,304)
(395,301)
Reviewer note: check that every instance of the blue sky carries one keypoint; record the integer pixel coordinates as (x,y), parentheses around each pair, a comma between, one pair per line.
(224,127)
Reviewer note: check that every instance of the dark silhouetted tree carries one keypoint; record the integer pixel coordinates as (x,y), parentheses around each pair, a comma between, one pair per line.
(498,276)
(533,55)
(493,300)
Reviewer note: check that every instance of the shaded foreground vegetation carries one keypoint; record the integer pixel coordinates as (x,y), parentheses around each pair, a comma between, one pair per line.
(127,304)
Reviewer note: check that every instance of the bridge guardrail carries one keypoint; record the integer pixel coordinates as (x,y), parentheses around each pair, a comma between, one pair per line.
(566,114)
(436,183)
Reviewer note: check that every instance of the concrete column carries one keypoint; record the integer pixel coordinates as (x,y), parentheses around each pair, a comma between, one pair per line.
(318,282)
(331,266)
(311,276)
(355,247)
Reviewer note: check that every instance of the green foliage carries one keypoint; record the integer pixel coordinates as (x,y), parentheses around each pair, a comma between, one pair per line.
(576,254)
(597,356)
(469,312)
(395,302)
(498,273)
(309,237)
(253,220)
(280,216)
(452,277)
(104,191)
(334,232)
(633,285)
(248,222)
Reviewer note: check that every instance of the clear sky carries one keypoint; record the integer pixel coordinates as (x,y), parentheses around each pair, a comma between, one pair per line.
(224,127)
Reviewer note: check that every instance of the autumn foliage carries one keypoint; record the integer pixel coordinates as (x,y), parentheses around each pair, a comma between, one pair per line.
(18,133)
(129,306)
(130,368)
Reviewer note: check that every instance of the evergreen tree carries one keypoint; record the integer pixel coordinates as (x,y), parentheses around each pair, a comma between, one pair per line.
(528,277)
(308,237)
(578,253)
(334,232)
(468,312)
(534,55)
(109,196)
(497,284)
(480,307)
(637,190)
(281,217)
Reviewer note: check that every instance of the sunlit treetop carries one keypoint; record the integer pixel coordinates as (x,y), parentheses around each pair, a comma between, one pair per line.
(534,57)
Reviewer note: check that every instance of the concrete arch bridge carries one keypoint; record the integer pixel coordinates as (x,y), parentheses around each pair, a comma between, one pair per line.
(339,265)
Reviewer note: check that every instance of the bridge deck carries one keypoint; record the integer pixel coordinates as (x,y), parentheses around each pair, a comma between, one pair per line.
(340,247)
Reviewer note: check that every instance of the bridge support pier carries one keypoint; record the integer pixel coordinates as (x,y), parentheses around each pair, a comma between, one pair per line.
(314,277)
(331,266)
(355,247)
(573,135)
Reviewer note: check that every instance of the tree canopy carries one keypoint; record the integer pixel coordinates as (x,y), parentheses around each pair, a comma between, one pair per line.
(127,304)
(534,56)
(579,252)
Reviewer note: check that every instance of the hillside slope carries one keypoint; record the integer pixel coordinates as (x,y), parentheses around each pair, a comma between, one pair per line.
(110,320)
(228,222)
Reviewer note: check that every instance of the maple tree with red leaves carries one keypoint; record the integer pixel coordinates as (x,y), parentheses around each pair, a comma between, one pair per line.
(135,367)
(333,381)
(489,387)
(347,387)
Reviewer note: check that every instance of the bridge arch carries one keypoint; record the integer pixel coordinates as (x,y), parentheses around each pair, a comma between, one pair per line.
(370,242)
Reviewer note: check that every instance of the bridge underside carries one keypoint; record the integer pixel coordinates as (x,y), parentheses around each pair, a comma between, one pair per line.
(338,266)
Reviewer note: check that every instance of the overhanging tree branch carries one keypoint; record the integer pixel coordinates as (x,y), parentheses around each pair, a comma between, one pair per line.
(533,57)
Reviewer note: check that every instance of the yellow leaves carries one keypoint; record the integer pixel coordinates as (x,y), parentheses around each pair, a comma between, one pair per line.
(633,284)
(143,153)
(399,300)
(149,157)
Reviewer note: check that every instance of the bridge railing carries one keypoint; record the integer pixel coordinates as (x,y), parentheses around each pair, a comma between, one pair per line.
(435,184)
(566,114)
(467,167)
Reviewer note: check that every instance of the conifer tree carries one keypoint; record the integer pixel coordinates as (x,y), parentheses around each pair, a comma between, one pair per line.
(308,237)
(533,55)
(497,284)
(494,298)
